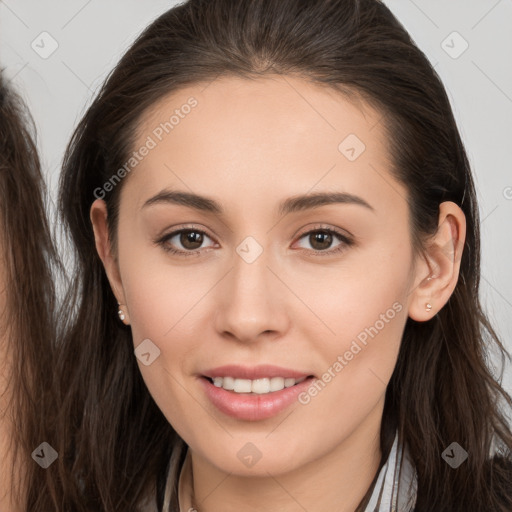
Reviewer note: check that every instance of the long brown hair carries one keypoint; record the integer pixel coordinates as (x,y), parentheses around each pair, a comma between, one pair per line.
(30,261)
(115,442)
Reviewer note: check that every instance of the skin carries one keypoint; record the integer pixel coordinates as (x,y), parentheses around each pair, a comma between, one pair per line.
(250,145)
(8,501)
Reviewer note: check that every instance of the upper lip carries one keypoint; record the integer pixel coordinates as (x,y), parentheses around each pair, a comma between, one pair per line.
(254,372)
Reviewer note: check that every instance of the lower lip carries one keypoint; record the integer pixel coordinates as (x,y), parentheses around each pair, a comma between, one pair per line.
(253,407)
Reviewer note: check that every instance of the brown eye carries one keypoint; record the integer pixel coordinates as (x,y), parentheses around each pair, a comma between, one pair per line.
(191,240)
(184,242)
(320,240)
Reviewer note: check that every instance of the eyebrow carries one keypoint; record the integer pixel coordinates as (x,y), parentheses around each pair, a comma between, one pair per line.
(290,205)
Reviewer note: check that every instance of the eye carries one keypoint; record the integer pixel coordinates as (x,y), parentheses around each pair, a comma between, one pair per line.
(322,238)
(190,240)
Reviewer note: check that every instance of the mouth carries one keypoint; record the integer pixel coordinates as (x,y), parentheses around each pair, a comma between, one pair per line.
(253,400)
(262,386)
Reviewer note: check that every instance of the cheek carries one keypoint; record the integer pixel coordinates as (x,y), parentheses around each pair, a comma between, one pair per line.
(359,359)
(166,303)
(158,291)
(363,310)
(164,307)
(364,298)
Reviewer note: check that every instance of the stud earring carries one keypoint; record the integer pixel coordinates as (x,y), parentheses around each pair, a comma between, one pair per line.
(428,307)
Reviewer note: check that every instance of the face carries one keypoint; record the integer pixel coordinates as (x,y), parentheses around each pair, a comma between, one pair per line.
(259,273)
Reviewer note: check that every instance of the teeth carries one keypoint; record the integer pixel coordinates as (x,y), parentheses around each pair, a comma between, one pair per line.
(258,386)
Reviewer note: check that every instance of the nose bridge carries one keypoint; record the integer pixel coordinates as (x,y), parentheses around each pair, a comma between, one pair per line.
(250,275)
(250,278)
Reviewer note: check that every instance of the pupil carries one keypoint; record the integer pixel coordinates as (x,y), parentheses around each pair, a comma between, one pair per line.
(189,238)
(323,237)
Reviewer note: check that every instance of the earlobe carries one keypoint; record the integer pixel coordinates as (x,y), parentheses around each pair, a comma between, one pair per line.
(98,216)
(438,273)
(123,316)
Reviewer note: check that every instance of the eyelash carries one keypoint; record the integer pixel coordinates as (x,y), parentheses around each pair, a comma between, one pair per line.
(346,241)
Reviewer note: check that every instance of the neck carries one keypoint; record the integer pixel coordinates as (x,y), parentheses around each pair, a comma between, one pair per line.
(336,480)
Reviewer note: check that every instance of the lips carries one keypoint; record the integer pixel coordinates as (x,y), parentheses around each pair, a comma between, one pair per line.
(254,372)
(249,406)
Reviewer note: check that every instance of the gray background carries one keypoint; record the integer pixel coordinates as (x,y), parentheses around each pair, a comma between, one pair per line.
(91,36)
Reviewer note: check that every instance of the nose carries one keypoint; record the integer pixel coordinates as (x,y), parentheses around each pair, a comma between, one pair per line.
(252,301)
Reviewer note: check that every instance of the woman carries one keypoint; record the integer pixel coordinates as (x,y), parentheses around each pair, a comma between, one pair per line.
(277,275)
(27,258)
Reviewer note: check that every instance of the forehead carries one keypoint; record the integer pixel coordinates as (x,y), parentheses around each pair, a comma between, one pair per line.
(240,107)
(274,133)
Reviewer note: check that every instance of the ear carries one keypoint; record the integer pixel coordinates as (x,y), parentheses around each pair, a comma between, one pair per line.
(437,269)
(98,216)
